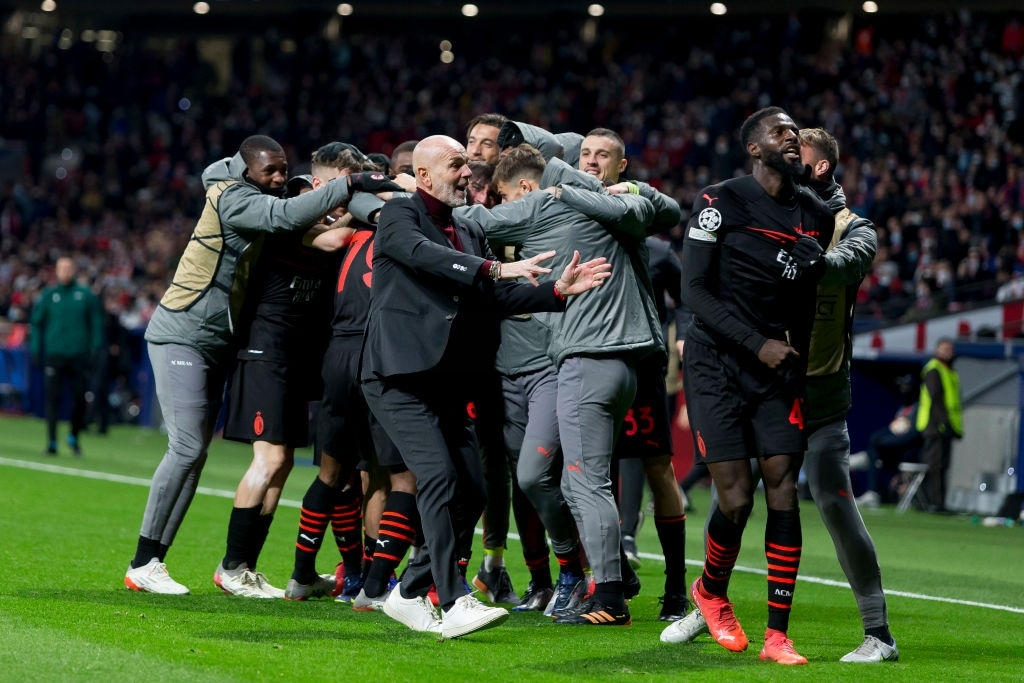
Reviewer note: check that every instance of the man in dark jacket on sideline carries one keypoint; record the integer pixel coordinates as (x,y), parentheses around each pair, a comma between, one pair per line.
(67,335)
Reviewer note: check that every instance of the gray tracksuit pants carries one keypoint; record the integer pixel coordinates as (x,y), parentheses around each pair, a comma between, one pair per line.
(531,433)
(827,466)
(594,395)
(190,390)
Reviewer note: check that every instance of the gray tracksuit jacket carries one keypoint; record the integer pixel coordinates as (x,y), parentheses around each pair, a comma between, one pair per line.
(848,258)
(617,318)
(203,302)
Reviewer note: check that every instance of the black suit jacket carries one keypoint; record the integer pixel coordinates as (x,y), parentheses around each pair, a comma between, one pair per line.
(425,293)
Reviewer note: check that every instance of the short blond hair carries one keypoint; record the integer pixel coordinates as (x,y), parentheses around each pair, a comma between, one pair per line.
(822,142)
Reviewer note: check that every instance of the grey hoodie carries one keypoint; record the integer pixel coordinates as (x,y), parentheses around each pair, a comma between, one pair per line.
(618,317)
(202,304)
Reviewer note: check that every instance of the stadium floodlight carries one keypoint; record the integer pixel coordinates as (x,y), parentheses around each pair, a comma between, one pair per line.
(470,10)
(447,57)
(596,10)
(345,9)
(48,5)
(201,8)
(870,7)
(718,8)
(445,45)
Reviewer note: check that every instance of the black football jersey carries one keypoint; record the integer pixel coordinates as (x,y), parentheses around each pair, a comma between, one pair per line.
(352,290)
(739,277)
(289,298)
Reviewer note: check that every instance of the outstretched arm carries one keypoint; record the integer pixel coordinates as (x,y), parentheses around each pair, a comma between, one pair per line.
(666,209)
(626,214)
(852,256)
(505,224)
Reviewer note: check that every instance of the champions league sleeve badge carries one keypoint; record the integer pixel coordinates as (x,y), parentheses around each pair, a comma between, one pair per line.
(708,222)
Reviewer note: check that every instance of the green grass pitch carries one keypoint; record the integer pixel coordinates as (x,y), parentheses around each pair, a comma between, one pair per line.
(68,528)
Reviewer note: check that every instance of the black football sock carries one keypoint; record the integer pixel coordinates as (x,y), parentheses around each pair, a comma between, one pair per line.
(882,633)
(672,534)
(346,522)
(369,546)
(609,593)
(314,517)
(722,549)
(398,526)
(258,537)
(783,545)
(239,526)
(145,551)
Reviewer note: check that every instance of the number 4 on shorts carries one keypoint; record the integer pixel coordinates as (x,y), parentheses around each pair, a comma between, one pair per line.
(796,414)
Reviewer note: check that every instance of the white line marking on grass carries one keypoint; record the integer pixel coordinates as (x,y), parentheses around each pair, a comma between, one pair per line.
(220,493)
(844,584)
(120,478)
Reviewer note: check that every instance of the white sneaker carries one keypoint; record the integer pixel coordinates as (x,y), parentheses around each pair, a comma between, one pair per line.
(272,591)
(416,613)
(321,587)
(364,603)
(468,615)
(686,629)
(869,499)
(245,583)
(152,577)
(871,651)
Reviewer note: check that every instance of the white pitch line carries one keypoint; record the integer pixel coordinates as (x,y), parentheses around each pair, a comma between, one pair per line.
(120,478)
(220,493)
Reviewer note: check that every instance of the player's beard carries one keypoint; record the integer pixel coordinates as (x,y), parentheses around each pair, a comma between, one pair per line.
(453,198)
(776,161)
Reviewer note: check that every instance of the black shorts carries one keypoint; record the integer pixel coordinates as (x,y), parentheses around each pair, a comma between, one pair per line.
(383,453)
(346,429)
(646,432)
(267,401)
(741,409)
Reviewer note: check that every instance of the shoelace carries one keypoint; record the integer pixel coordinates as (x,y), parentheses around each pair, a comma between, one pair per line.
(867,648)
(727,618)
(159,570)
(427,606)
(785,644)
(474,605)
(250,578)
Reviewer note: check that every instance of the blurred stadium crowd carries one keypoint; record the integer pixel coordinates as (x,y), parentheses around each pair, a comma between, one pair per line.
(928,110)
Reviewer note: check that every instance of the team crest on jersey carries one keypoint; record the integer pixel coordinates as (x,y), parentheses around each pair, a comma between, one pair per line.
(702,235)
(709,219)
